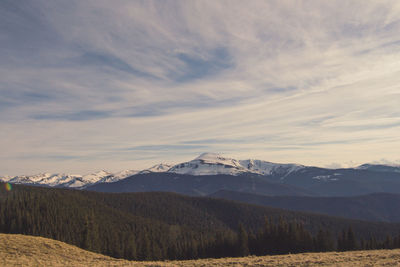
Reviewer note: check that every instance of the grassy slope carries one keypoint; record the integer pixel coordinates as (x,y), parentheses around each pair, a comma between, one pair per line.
(20,250)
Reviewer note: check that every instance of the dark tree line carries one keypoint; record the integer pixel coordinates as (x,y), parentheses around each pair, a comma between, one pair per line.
(292,237)
(136,226)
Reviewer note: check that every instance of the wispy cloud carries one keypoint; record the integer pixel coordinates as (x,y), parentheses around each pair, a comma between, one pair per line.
(74,116)
(158,148)
(202,66)
(304,81)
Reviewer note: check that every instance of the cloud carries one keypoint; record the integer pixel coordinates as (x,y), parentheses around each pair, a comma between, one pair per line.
(306,82)
(213,141)
(198,66)
(110,61)
(158,148)
(82,115)
(387,162)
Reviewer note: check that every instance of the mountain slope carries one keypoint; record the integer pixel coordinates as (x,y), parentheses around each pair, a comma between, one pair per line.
(380,167)
(374,207)
(198,185)
(289,181)
(342,182)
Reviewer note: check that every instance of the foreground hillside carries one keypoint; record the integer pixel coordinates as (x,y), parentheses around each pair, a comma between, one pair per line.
(20,250)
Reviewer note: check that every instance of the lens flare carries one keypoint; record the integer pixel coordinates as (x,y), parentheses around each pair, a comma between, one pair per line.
(8,186)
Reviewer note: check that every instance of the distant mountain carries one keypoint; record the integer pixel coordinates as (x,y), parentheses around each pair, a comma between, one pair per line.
(68,180)
(268,168)
(205,164)
(232,174)
(198,185)
(380,167)
(209,173)
(209,164)
(341,182)
(157,168)
(373,207)
(214,164)
(79,181)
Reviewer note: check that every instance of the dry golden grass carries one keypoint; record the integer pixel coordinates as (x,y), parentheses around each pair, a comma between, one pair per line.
(20,250)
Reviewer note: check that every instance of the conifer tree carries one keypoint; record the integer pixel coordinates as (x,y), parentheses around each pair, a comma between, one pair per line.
(243,242)
(351,242)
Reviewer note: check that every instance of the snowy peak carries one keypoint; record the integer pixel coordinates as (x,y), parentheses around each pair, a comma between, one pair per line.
(212,164)
(45,179)
(5,179)
(209,164)
(68,180)
(157,168)
(213,158)
(95,177)
(269,168)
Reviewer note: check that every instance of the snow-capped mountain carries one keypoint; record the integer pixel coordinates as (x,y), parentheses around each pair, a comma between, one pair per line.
(79,181)
(205,164)
(6,178)
(48,179)
(269,168)
(162,167)
(68,180)
(120,175)
(209,164)
(212,164)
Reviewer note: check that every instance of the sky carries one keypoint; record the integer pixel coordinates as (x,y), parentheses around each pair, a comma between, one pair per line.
(90,85)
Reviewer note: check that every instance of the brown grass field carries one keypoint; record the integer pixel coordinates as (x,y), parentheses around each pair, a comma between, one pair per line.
(20,250)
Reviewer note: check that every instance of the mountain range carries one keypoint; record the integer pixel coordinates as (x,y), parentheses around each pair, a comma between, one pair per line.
(76,180)
(205,164)
(210,172)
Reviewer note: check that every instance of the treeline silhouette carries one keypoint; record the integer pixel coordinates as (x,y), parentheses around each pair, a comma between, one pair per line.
(284,237)
(154,226)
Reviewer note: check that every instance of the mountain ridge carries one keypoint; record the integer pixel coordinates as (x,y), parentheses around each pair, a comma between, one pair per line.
(204,165)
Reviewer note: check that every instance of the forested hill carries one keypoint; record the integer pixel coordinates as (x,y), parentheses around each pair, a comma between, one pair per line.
(156,225)
(373,207)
